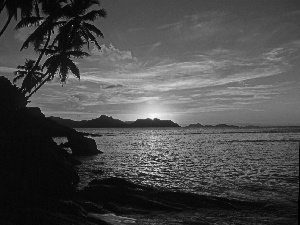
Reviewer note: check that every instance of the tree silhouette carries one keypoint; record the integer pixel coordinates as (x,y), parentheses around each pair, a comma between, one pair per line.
(30,77)
(77,31)
(26,7)
(63,29)
(60,63)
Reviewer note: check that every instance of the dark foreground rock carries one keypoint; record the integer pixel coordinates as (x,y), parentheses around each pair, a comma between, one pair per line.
(32,165)
(118,194)
(31,119)
(81,145)
(38,181)
(156,206)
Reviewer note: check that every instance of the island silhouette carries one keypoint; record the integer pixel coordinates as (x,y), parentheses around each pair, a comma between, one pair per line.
(105,121)
(109,122)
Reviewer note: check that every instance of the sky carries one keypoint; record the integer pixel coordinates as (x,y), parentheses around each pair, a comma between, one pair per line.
(190,61)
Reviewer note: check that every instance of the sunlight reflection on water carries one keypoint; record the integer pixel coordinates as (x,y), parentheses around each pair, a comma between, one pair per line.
(225,162)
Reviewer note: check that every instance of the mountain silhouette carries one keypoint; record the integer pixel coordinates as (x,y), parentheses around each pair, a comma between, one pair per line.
(153,123)
(108,122)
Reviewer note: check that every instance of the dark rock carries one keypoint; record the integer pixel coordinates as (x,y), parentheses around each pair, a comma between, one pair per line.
(32,119)
(33,166)
(123,196)
(117,194)
(81,145)
(64,145)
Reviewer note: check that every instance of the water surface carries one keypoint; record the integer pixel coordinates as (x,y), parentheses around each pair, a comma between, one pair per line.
(246,164)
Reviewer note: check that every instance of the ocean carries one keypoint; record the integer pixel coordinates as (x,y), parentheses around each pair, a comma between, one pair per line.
(260,164)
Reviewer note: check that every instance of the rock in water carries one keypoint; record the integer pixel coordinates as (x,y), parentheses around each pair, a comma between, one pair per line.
(81,145)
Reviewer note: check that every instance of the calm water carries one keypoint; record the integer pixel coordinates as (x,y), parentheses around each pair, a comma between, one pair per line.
(255,164)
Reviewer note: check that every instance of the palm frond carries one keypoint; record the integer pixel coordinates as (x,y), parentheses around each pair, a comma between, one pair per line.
(63,72)
(94,29)
(94,14)
(52,8)
(21,67)
(67,11)
(20,76)
(37,37)
(74,69)
(92,38)
(49,51)
(29,22)
(48,62)
(90,3)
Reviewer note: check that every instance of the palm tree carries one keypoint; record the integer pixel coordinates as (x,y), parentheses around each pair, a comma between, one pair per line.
(77,32)
(26,6)
(52,12)
(60,63)
(71,19)
(40,38)
(30,78)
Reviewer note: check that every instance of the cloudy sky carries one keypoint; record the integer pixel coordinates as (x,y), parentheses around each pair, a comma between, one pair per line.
(206,61)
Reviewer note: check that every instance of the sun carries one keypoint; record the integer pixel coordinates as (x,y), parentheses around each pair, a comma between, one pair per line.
(153,115)
(152,110)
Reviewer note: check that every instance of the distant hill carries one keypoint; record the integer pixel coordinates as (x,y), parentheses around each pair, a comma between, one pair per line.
(101,122)
(153,123)
(109,122)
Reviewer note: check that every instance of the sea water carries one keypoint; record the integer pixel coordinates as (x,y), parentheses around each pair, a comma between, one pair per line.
(236,163)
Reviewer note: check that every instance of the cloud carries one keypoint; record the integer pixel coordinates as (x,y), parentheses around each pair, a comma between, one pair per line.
(197,26)
(111,53)
(110,86)
(154,46)
(215,68)
(7,69)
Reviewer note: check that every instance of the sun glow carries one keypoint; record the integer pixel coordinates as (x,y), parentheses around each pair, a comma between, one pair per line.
(152,111)
(154,115)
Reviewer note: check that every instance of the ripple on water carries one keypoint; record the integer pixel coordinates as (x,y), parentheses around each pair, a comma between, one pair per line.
(238,163)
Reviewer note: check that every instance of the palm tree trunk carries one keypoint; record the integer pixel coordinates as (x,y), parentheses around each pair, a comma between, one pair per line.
(37,63)
(2,5)
(43,51)
(6,25)
(38,87)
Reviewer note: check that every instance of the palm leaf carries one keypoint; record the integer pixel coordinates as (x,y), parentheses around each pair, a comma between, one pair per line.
(21,67)
(48,51)
(94,29)
(92,38)
(29,22)
(37,37)
(20,76)
(74,69)
(63,71)
(94,14)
